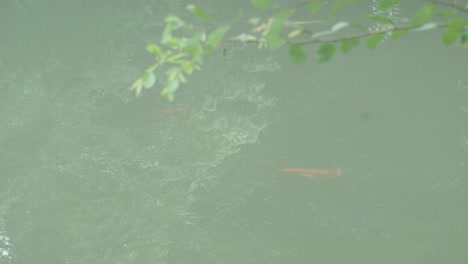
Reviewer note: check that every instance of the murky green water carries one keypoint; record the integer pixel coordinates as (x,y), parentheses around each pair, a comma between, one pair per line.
(92,174)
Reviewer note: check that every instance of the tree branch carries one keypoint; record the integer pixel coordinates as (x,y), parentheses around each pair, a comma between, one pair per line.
(451,5)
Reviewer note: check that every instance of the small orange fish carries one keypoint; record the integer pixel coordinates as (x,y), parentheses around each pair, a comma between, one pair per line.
(314,174)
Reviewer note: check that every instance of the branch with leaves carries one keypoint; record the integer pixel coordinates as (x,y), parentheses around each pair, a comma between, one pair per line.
(181,56)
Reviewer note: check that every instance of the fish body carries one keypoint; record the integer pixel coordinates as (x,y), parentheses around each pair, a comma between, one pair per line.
(315,174)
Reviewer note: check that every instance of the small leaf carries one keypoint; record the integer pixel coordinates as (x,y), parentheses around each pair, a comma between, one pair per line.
(216,36)
(137,86)
(197,11)
(170,95)
(174,23)
(348,44)
(261,3)
(336,8)
(424,14)
(148,80)
(314,7)
(274,38)
(373,42)
(175,57)
(325,52)
(386,4)
(296,54)
(296,33)
(182,78)
(155,49)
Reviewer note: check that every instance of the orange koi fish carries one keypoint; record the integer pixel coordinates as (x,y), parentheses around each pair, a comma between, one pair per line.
(314,174)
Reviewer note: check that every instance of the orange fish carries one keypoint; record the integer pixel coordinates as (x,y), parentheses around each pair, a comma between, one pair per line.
(314,174)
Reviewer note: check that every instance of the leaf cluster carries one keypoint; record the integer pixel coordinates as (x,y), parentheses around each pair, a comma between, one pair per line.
(183,55)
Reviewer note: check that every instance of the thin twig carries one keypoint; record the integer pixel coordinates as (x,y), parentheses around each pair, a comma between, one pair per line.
(452,5)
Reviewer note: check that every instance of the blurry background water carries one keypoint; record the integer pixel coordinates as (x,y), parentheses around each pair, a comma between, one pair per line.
(92,174)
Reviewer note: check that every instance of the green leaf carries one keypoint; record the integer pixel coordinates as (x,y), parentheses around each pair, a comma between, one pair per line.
(174,23)
(325,52)
(450,35)
(464,37)
(373,42)
(194,46)
(197,11)
(336,8)
(148,80)
(314,7)
(446,13)
(381,19)
(217,36)
(261,3)
(348,44)
(386,4)
(424,14)
(399,33)
(169,94)
(454,30)
(274,38)
(155,49)
(137,86)
(296,54)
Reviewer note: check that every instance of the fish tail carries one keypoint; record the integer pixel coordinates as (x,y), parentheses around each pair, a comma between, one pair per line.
(338,172)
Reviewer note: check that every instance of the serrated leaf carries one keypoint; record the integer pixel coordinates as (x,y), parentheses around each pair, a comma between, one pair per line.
(261,3)
(198,12)
(373,42)
(424,14)
(348,44)
(148,80)
(296,54)
(386,4)
(325,52)
(216,36)
(314,7)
